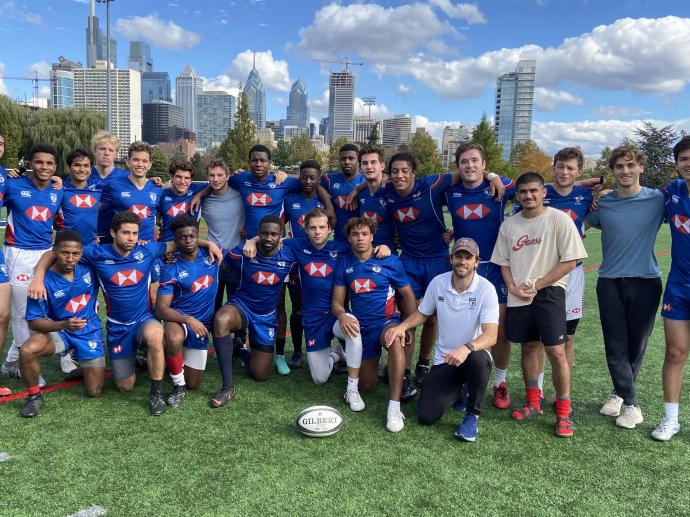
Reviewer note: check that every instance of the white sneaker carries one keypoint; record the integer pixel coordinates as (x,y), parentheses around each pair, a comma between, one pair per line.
(353,398)
(41,381)
(10,369)
(395,421)
(338,350)
(612,406)
(631,416)
(666,429)
(67,364)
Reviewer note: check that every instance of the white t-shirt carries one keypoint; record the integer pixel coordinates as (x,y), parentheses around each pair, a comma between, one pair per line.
(460,315)
(534,246)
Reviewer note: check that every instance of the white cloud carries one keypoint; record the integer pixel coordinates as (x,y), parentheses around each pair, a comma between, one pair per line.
(546,99)
(435,127)
(160,33)
(12,11)
(376,34)
(320,105)
(619,111)
(377,110)
(274,72)
(643,55)
(403,89)
(468,12)
(222,83)
(42,68)
(592,135)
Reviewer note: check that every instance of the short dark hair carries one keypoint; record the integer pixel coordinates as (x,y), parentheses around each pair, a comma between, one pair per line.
(359,222)
(310,164)
(260,148)
(42,148)
(628,152)
(570,153)
(682,145)
(77,153)
(315,213)
(469,146)
(183,221)
(403,157)
(272,219)
(369,149)
(139,147)
(124,217)
(180,165)
(217,163)
(348,147)
(529,177)
(67,236)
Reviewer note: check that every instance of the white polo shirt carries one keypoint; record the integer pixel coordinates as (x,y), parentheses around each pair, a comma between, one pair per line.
(460,315)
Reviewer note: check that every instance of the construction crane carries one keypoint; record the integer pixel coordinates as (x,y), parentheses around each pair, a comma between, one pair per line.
(345,62)
(34,79)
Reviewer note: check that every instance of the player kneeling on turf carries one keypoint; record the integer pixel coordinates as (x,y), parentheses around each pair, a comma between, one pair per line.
(65,320)
(185,301)
(371,283)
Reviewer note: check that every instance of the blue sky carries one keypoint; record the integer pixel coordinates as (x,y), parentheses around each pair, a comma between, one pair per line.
(602,66)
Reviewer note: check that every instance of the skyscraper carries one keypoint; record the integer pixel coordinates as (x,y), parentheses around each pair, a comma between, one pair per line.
(514,103)
(140,57)
(97,40)
(155,86)
(256,97)
(215,115)
(396,130)
(90,93)
(341,105)
(162,122)
(62,83)
(187,86)
(363,126)
(298,106)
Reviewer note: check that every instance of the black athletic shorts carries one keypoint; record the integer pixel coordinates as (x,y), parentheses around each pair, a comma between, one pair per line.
(542,320)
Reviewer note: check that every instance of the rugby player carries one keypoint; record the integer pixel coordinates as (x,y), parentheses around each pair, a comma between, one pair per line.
(105,147)
(371,284)
(536,250)
(4,279)
(176,199)
(66,319)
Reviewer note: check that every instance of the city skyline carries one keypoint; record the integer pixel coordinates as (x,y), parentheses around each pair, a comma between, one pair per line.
(599,73)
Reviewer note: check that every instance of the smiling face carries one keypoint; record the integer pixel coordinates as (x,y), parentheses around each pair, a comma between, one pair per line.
(402,176)
(566,172)
(139,164)
(217,178)
(463,263)
(309,179)
(44,166)
(180,181)
(371,165)
(530,195)
(471,167)
(683,164)
(80,169)
(627,171)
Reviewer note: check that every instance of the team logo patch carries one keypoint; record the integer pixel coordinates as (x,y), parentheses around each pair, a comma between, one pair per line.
(153,196)
(318,269)
(142,211)
(77,303)
(362,285)
(93,344)
(258,199)
(23,277)
(373,217)
(473,211)
(38,213)
(83,200)
(203,282)
(333,254)
(53,197)
(311,342)
(682,223)
(376,268)
(87,278)
(472,303)
(570,213)
(127,277)
(265,278)
(117,349)
(177,209)
(667,307)
(405,215)
(138,256)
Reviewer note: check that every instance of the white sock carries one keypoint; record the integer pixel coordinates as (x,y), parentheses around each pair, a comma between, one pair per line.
(671,410)
(500,376)
(13,353)
(352,384)
(540,381)
(178,378)
(393,404)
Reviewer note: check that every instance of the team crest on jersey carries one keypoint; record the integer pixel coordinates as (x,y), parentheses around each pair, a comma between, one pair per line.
(333,254)
(349,270)
(59,293)
(2,180)
(675,199)
(271,333)
(417,195)
(336,185)
(382,202)
(487,192)
(93,344)
(153,196)
(138,256)
(87,278)
(281,263)
(472,303)
(271,185)
(53,197)
(208,261)
(579,199)
(376,268)
(25,193)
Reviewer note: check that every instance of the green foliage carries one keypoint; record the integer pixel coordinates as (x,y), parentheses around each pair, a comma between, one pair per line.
(200,162)
(423,146)
(12,131)
(657,144)
(235,149)
(159,165)
(282,155)
(485,135)
(333,156)
(302,149)
(374,136)
(528,157)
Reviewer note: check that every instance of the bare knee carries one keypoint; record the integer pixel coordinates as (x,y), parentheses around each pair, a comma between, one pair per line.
(94,391)
(676,354)
(193,384)
(125,385)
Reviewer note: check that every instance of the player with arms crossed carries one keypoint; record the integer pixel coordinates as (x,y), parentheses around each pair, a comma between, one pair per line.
(536,249)
(65,320)
(185,302)
(467,308)
(371,284)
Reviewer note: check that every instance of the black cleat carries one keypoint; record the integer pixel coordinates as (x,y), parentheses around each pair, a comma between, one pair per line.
(157,405)
(340,367)
(295,361)
(420,372)
(176,396)
(408,390)
(32,406)
(223,396)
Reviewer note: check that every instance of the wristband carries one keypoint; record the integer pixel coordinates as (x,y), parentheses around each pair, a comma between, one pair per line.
(470,346)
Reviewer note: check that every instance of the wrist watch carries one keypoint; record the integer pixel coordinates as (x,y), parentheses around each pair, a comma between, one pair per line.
(470,346)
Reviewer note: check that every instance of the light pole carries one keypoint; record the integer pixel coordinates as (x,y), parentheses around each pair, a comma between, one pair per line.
(369,102)
(107,70)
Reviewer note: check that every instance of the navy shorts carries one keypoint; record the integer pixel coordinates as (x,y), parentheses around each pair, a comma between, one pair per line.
(422,271)
(371,337)
(676,304)
(492,272)
(318,330)
(262,327)
(192,341)
(124,339)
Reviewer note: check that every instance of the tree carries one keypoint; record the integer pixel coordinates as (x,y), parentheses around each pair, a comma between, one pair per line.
(302,149)
(282,156)
(12,131)
(235,149)
(334,156)
(423,146)
(485,135)
(528,157)
(199,163)
(374,136)
(657,145)
(159,165)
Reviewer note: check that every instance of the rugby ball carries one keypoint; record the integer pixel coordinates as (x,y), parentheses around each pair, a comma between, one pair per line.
(319,421)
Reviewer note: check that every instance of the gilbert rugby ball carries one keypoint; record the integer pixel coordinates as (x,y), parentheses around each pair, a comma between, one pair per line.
(319,421)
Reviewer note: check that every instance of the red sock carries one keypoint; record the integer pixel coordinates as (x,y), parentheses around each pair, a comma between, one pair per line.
(533,396)
(174,363)
(563,408)
(33,390)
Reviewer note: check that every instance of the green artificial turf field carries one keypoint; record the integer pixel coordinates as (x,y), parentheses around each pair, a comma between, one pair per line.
(248,459)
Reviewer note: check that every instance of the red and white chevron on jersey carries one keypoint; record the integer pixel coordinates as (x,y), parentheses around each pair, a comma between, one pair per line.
(258,199)
(318,269)
(373,216)
(140,210)
(569,212)
(83,200)
(77,303)
(405,215)
(38,213)
(473,211)
(362,285)
(177,209)
(265,278)
(202,283)
(682,223)
(127,277)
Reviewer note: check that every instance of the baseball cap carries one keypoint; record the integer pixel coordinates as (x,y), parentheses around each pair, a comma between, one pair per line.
(466,244)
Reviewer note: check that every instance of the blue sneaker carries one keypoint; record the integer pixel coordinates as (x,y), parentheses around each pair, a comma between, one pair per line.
(467,430)
(461,403)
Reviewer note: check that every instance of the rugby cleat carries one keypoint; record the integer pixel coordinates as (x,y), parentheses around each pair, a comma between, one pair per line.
(223,396)
(32,406)
(176,396)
